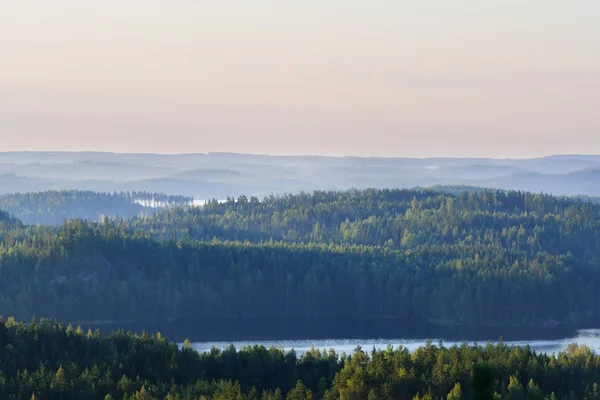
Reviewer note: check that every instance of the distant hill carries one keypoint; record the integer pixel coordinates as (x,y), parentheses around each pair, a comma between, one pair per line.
(52,207)
(218,175)
(212,174)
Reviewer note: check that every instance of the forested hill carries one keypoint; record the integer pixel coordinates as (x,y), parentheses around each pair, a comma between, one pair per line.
(10,226)
(51,207)
(518,222)
(480,259)
(5,218)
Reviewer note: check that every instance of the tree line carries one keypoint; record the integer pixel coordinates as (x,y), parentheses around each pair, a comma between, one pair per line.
(50,360)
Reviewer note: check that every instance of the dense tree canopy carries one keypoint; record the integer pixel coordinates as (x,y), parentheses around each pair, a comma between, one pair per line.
(525,222)
(48,360)
(479,259)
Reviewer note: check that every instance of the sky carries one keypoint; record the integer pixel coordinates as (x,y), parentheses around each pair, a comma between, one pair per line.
(494,78)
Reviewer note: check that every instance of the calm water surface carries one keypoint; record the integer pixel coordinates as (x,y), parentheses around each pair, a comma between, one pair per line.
(588,337)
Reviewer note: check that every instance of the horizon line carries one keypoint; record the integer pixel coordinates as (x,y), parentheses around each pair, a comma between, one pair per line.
(172,154)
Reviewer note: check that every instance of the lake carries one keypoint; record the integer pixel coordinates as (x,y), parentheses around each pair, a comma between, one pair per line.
(345,334)
(588,337)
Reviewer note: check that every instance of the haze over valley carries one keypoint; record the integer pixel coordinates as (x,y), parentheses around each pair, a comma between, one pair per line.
(219,175)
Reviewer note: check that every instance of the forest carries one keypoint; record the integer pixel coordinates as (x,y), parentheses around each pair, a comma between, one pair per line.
(52,207)
(48,360)
(490,258)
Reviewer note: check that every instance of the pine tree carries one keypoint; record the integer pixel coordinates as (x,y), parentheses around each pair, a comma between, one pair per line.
(300,392)
(455,393)
(515,389)
(533,391)
(60,380)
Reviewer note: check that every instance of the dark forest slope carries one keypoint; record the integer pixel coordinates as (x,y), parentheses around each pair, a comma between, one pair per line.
(480,259)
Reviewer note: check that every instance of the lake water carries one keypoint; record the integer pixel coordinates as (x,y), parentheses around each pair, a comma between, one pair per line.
(154,204)
(345,334)
(588,337)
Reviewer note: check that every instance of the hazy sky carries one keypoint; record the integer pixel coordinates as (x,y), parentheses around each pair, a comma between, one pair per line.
(500,78)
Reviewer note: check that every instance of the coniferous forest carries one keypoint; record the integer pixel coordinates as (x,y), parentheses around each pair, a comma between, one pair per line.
(479,259)
(48,360)
(470,259)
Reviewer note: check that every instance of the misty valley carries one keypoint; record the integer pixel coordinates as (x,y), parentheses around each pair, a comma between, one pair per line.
(219,175)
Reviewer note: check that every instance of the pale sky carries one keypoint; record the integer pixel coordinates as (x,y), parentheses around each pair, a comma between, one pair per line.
(493,78)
